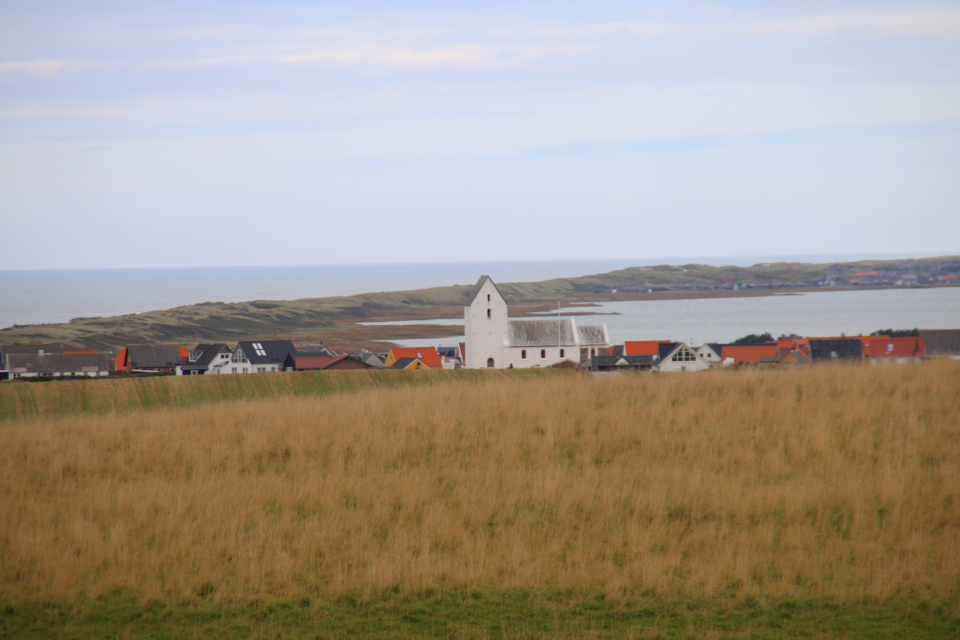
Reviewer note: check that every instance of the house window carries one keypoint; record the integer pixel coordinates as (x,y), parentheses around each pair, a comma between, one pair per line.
(889,348)
(523,354)
(489,363)
(261,369)
(273,368)
(561,353)
(684,355)
(543,353)
(593,352)
(419,355)
(488,313)
(258,347)
(233,369)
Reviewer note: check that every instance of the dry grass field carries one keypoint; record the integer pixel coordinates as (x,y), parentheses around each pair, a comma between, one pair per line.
(818,482)
(836,485)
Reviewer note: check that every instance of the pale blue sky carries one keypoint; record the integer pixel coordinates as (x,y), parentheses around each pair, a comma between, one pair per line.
(163,134)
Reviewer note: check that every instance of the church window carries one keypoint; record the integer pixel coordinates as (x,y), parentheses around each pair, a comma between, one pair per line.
(523,354)
(543,353)
(488,313)
(561,353)
(488,297)
(489,363)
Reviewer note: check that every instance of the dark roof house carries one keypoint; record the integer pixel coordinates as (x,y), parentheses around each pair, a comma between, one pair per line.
(318,351)
(375,360)
(9,349)
(621,363)
(268,352)
(328,363)
(836,349)
(59,364)
(153,357)
(204,358)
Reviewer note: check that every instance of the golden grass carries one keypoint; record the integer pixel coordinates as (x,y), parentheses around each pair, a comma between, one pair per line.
(825,481)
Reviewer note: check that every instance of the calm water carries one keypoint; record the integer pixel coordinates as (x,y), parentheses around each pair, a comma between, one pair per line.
(825,313)
(33,297)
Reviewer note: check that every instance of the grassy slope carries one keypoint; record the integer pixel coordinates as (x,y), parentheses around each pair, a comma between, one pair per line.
(334,319)
(98,397)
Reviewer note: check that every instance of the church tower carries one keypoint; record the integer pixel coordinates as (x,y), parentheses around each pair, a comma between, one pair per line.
(485,326)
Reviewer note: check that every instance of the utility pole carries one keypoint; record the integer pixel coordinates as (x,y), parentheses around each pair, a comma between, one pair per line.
(558,329)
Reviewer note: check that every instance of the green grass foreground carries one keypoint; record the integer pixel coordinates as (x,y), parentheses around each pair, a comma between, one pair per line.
(122,395)
(483,614)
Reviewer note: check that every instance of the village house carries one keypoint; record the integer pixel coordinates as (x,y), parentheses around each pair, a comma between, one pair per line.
(643,347)
(372,358)
(205,359)
(40,363)
(261,356)
(621,362)
(890,350)
(494,341)
(679,356)
(329,363)
(450,357)
(429,356)
(10,349)
(711,352)
(153,358)
(836,350)
(409,364)
(753,354)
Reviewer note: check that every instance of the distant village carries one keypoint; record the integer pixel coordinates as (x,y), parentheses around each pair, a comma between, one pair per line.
(492,340)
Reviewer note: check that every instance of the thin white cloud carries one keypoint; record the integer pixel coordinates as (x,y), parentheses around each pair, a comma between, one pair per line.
(41,67)
(911,24)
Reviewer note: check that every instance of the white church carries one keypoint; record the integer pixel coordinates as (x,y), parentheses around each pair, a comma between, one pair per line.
(493,341)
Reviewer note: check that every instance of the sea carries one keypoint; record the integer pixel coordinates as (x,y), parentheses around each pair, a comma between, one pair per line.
(54,296)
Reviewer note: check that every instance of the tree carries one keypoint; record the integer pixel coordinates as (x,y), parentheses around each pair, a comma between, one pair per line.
(898,333)
(754,339)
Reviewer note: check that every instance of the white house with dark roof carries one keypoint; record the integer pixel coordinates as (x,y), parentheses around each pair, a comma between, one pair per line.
(679,356)
(261,356)
(494,341)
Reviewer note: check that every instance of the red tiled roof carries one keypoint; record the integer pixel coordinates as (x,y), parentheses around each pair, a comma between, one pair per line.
(886,347)
(427,355)
(643,347)
(749,352)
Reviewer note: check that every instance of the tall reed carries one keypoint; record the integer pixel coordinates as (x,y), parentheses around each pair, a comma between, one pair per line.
(827,481)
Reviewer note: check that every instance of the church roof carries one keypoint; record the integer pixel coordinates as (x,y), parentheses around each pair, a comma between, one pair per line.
(592,335)
(477,287)
(541,332)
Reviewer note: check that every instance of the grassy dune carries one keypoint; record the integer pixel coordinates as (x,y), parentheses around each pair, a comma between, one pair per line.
(831,491)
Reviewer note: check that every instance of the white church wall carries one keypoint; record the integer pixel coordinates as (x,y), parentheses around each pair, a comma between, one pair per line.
(485,326)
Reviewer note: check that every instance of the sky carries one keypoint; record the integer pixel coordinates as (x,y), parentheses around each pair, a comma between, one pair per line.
(169,134)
